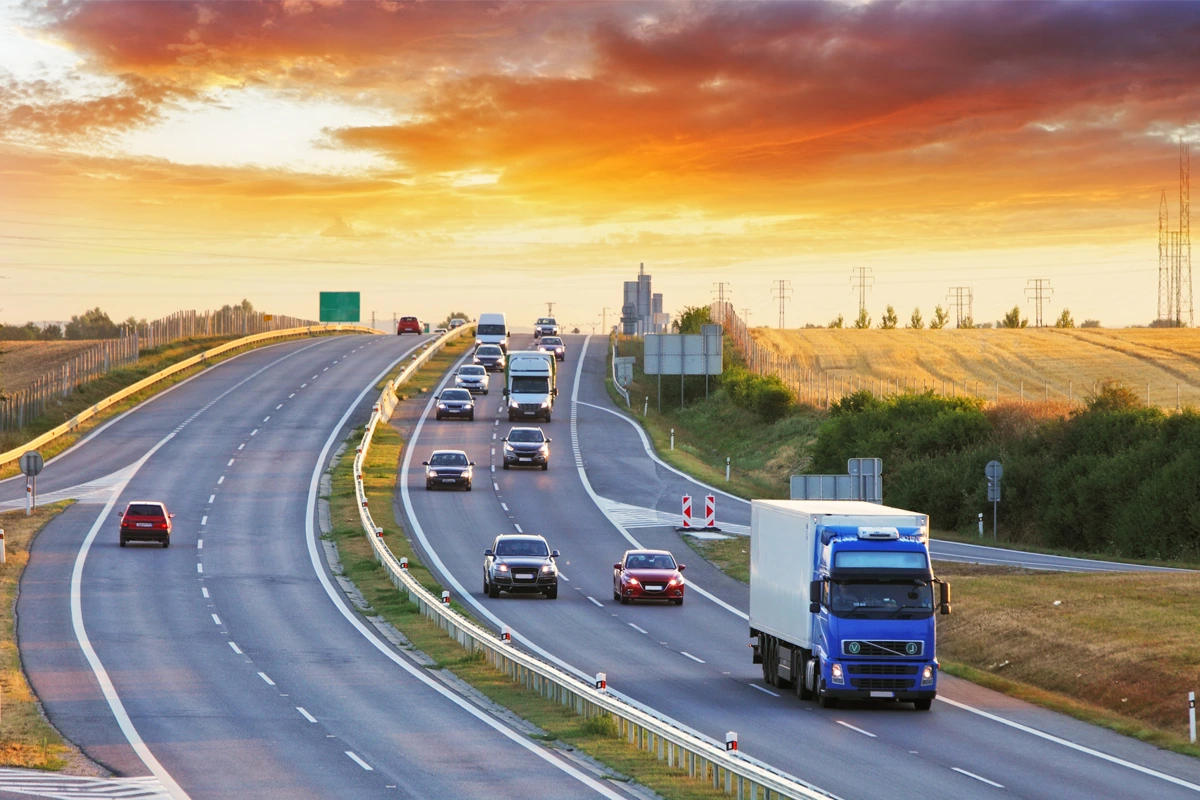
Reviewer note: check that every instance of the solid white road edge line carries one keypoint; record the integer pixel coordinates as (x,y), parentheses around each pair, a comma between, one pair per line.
(969,774)
(868,733)
(764,691)
(692,657)
(1066,743)
(388,652)
(645,443)
(597,602)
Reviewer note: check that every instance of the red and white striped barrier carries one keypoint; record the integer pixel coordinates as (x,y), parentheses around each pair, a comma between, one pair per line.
(687,512)
(710,511)
(710,515)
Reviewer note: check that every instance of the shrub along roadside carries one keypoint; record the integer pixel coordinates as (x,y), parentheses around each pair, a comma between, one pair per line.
(593,737)
(1118,651)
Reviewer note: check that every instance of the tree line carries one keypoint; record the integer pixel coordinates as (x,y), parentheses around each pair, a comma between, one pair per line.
(941,319)
(91,324)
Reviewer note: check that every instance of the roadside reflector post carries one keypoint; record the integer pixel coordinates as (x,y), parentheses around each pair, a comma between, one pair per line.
(364,502)
(1192,715)
(672,438)
(379,531)
(731,741)
(3,553)
(506,634)
(981,524)
(602,681)
(446,598)
(404,564)
(727,469)
(646,406)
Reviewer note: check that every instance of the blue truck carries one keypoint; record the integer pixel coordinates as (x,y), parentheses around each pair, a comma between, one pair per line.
(842,601)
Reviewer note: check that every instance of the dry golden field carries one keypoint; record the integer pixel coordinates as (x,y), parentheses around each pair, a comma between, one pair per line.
(1064,362)
(21,363)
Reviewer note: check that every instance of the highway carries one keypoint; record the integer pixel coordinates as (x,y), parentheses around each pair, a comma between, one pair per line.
(692,662)
(228,665)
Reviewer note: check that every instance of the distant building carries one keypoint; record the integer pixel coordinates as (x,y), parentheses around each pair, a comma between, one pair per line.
(641,309)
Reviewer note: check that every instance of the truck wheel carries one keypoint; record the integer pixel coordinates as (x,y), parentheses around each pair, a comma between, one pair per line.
(923,704)
(822,697)
(802,690)
(767,648)
(548,418)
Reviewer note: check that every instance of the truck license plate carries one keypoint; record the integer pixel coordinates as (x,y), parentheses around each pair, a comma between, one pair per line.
(883,694)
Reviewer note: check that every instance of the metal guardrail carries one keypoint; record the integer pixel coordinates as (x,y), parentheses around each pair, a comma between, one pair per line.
(83,416)
(703,759)
(621,390)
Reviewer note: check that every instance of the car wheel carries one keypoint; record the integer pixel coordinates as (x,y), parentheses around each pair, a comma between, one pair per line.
(548,417)
(468,487)
(511,418)
(678,601)
(124,541)
(439,417)
(616,595)
(552,594)
(924,704)
(545,466)
(471,417)
(493,590)
(485,391)
(626,600)
(506,465)
(167,542)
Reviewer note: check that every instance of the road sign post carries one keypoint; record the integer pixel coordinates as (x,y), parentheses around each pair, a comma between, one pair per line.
(31,464)
(994,471)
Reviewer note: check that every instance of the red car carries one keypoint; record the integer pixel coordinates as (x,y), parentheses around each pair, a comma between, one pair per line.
(648,575)
(146,521)
(408,325)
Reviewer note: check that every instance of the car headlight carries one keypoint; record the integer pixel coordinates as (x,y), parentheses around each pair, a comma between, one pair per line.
(502,568)
(543,449)
(442,406)
(676,581)
(508,448)
(632,581)
(547,568)
(430,473)
(835,673)
(927,675)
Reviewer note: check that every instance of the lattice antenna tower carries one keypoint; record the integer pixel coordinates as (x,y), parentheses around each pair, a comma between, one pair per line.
(1183,289)
(1038,290)
(724,294)
(1164,259)
(781,290)
(959,297)
(861,279)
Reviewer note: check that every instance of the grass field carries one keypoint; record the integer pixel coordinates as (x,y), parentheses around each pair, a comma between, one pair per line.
(21,363)
(1114,649)
(1070,361)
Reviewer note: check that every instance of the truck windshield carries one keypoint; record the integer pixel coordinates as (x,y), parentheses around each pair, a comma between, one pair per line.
(530,385)
(880,598)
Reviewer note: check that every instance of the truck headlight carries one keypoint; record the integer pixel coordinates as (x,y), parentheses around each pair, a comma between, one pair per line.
(513,404)
(927,675)
(546,403)
(835,674)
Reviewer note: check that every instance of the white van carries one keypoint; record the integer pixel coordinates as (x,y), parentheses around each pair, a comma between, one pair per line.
(492,329)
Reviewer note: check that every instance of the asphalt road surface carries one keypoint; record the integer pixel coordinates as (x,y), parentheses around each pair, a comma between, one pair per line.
(693,662)
(227,666)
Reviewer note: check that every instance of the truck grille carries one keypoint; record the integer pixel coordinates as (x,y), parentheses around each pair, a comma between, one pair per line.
(531,406)
(881,683)
(882,669)
(886,648)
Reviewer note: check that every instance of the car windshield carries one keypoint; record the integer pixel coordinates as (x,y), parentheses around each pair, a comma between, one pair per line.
(489,350)
(530,385)
(448,460)
(144,510)
(475,371)
(490,330)
(545,321)
(880,597)
(649,561)
(457,394)
(551,340)
(526,435)
(522,547)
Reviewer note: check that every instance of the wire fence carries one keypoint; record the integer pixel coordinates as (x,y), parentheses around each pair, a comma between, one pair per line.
(821,388)
(19,408)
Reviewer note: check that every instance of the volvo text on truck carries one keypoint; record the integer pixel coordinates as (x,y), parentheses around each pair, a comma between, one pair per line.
(842,601)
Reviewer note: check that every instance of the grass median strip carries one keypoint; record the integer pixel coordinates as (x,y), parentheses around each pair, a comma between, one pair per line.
(596,737)
(26,738)
(1114,649)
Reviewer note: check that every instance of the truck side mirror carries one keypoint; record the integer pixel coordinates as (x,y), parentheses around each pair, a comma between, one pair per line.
(505,392)
(814,607)
(945,598)
(814,594)
(554,391)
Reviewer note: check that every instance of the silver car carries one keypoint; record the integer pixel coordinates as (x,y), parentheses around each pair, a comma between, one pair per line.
(473,378)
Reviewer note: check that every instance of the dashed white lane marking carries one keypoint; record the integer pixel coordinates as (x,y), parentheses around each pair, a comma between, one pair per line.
(230,464)
(199,544)
(216,619)
(497,423)
(324,370)
(518,527)
(594,600)
(306,715)
(493,439)
(204,591)
(973,775)
(242,445)
(493,451)
(867,733)
(211,498)
(692,657)
(204,520)
(200,568)
(496,486)
(267,417)
(266,678)
(236,649)
(564,577)
(279,406)
(493,467)
(359,761)
(314,377)
(290,396)
(636,628)
(254,432)
(504,506)
(764,691)
(220,480)
(303,385)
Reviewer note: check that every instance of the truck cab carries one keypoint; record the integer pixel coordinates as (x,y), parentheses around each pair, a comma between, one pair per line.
(530,385)
(492,328)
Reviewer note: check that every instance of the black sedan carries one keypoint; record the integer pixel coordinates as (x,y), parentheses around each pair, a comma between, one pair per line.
(490,357)
(520,563)
(456,404)
(448,468)
(526,447)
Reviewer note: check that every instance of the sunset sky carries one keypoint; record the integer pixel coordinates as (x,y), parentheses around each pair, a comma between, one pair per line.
(494,156)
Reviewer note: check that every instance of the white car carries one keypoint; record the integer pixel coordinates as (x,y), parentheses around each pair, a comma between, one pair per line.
(473,378)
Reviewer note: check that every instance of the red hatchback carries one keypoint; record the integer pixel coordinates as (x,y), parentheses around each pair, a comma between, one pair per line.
(146,521)
(648,575)
(408,325)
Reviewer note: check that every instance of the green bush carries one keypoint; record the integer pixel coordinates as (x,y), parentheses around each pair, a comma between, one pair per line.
(765,395)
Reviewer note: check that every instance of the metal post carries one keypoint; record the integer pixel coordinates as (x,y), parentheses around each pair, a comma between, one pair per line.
(727,469)
(681,382)
(3,549)
(646,407)
(672,438)
(1192,715)
(981,524)
(994,538)
(28,497)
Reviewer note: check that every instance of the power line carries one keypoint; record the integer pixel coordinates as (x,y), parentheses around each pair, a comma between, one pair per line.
(1183,285)
(782,291)
(1165,273)
(724,295)
(961,297)
(861,279)
(1038,290)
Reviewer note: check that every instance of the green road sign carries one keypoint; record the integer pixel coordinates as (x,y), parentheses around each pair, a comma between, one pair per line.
(339,307)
